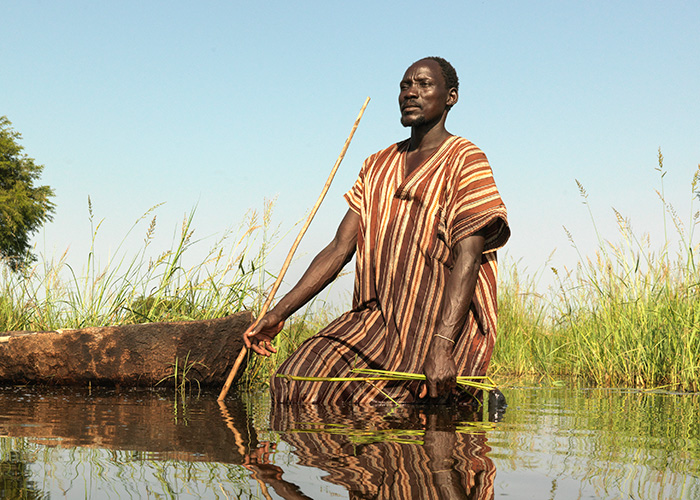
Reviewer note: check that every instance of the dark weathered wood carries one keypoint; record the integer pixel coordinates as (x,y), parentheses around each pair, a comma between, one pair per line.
(141,354)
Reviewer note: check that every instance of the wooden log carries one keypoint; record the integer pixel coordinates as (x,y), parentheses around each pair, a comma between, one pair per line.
(128,355)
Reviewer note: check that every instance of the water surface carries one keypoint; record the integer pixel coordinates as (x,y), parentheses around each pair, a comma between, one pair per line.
(552,443)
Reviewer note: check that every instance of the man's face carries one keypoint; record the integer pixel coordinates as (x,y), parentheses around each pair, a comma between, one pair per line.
(423,97)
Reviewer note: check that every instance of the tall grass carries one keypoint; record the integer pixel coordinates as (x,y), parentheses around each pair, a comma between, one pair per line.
(150,285)
(629,315)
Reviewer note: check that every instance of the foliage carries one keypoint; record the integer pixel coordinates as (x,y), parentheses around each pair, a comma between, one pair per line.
(629,315)
(24,207)
(152,285)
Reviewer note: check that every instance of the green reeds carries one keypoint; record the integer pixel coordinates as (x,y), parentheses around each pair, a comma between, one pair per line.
(627,316)
(144,286)
(181,379)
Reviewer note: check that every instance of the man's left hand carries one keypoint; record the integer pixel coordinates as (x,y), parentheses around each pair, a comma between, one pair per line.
(440,370)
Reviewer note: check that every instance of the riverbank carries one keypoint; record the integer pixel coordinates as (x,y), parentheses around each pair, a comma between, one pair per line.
(628,315)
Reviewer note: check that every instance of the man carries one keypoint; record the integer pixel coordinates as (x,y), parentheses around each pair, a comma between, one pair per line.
(425,219)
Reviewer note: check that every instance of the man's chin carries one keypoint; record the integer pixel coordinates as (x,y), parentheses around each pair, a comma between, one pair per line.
(408,121)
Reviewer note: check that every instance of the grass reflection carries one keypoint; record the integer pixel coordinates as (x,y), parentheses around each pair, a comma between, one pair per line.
(555,443)
(49,472)
(618,443)
(16,481)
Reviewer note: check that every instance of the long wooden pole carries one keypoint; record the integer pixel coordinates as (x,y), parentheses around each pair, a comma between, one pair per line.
(287,262)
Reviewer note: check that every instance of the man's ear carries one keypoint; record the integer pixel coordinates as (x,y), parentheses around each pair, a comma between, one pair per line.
(452,97)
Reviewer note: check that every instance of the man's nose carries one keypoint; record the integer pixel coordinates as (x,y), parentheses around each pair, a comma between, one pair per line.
(410,91)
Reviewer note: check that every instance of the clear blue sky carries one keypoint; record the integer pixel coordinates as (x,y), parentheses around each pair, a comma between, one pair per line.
(224,104)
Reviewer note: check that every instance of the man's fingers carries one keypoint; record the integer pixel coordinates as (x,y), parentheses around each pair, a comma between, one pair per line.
(256,348)
(269,348)
(429,388)
(260,350)
(433,389)
(249,334)
(264,347)
(247,342)
(436,389)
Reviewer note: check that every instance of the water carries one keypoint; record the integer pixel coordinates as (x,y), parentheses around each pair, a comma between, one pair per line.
(552,443)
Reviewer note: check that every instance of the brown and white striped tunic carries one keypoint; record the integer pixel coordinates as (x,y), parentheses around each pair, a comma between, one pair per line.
(407,229)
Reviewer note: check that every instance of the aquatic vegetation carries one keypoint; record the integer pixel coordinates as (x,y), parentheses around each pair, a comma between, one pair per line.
(181,380)
(369,375)
(146,287)
(629,315)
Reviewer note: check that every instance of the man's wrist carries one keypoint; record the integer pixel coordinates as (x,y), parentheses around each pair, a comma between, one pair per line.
(442,345)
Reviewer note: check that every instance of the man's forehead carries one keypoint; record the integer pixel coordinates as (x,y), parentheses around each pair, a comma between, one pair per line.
(423,68)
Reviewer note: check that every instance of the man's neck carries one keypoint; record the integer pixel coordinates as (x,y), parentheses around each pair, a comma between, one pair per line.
(426,137)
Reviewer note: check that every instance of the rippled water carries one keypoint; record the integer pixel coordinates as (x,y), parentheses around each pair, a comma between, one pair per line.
(552,443)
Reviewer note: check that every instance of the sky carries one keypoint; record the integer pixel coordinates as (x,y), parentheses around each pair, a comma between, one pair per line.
(223,105)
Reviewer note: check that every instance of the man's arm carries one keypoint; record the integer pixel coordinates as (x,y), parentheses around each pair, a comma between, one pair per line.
(322,270)
(439,368)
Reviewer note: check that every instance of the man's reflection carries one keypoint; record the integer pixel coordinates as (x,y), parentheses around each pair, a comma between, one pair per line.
(379,453)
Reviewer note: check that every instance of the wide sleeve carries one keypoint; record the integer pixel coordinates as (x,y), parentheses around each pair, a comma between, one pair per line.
(474,203)
(354,196)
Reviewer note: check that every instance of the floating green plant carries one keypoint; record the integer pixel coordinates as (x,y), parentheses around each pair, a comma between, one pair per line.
(370,375)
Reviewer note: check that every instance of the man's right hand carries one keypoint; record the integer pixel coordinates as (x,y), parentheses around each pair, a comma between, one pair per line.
(259,335)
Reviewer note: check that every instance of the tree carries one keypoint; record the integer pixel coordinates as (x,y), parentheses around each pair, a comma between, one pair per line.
(24,208)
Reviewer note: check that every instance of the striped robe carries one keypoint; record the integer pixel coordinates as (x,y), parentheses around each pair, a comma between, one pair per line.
(407,229)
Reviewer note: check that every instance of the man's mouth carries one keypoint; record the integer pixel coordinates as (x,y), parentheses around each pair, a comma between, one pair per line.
(409,106)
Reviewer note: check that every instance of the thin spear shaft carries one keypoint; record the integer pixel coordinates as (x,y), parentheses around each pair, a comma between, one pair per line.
(287,262)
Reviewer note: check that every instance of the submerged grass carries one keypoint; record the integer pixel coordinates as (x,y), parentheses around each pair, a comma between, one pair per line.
(627,316)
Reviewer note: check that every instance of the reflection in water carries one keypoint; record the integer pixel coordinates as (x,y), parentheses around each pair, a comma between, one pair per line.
(137,443)
(72,444)
(552,444)
(15,479)
(141,422)
(403,452)
(599,443)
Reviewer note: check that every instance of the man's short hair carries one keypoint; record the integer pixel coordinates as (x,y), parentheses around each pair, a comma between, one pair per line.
(448,72)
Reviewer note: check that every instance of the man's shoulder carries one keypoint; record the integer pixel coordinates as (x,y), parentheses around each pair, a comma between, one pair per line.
(390,150)
(463,145)
(463,151)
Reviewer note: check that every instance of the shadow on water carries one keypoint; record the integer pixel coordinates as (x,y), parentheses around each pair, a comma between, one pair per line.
(552,443)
